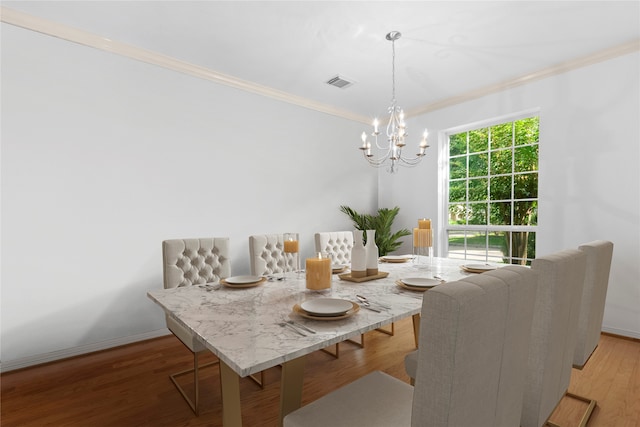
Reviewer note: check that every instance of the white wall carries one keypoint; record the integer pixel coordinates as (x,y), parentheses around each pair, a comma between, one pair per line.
(589,176)
(104,157)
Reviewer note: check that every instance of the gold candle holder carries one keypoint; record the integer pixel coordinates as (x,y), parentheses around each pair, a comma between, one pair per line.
(423,244)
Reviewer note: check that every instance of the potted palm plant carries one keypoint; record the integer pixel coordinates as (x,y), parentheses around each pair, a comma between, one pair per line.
(385,240)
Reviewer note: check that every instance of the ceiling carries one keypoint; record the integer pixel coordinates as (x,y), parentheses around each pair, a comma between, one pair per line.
(447,49)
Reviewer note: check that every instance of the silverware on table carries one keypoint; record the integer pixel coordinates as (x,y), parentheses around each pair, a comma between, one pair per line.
(293,328)
(367,303)
(300,325)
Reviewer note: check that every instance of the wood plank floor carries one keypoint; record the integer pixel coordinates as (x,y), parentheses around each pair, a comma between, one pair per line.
(129,385)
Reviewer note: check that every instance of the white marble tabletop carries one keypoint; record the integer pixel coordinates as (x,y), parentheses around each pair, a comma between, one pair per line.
(241,326)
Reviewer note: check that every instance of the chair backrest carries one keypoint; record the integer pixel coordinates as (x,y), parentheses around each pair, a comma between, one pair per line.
(474,339)
(267,256)
(554,333)
(596,282)
(187,262)
(337,244)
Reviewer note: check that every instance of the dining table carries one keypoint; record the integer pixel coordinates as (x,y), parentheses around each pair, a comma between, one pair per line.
(245,327)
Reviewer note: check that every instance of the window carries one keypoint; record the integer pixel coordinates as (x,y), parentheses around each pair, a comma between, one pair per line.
(492,192)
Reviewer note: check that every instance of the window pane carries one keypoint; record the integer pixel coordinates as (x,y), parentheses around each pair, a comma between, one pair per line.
(501,188)
(456,240)
(525,186)
(526,158)
(478,164)
(458,144)
(457,168)
(500,213)
(478,189)
(519,246)
(498,247)
(525,213)
(501,136)
(457,191)
(526,131)
(531,247)
(477,245)
(501,162)
(477,213)
(478,140)
(457,214)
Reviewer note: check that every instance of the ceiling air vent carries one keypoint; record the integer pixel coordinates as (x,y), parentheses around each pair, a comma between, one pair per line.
(340,81)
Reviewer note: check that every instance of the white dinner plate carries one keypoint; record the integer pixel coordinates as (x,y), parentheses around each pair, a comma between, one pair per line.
(337,266)
(483,267)
(396,257)
(326,306)
(242,280)
(421,282)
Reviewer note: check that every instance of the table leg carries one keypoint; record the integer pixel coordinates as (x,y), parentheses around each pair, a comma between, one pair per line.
(416,328)
(291,381)
(231,411)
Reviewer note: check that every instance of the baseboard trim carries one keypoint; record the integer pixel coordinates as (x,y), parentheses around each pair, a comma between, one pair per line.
(621,333)
(38,359)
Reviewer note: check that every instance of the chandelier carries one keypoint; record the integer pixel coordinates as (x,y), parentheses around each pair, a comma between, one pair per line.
(396,129)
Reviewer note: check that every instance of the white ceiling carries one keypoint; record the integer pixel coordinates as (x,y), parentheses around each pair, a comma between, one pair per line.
(447,48)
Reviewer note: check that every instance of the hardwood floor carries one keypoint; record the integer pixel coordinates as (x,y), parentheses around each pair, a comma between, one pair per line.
(129,386)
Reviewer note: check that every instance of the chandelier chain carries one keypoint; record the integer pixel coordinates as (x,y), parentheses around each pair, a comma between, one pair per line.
(393,73)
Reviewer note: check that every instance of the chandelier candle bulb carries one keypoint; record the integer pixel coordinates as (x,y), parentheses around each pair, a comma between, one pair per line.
(318,273)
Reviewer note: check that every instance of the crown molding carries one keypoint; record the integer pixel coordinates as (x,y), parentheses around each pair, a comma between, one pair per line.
(85,38)
(557,69)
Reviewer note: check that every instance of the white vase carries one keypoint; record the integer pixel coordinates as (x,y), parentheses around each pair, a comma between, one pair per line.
(358,256)
(372,253)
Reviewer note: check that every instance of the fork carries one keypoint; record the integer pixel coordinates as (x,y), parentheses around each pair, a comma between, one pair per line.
(293,328)
(299,325)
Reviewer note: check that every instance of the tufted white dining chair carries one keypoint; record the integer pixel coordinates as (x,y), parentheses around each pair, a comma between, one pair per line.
(338,245)
(267,256)
(187,262)
(471,363)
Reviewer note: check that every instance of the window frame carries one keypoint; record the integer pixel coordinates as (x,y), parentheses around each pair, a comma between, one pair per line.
(442,243)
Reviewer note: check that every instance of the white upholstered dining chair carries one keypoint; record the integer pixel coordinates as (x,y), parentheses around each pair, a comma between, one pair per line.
(267,255)
(554,333)
(338,245)
(596,281)
(187,262)
(471,363)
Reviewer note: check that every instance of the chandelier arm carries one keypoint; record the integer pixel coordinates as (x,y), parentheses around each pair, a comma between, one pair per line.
(377,161)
